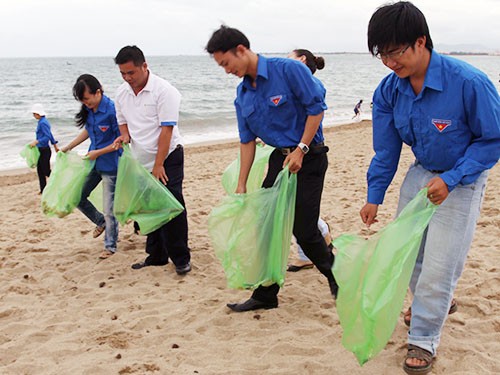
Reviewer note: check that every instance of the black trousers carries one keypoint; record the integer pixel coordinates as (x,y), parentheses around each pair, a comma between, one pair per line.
(43,166)
(171,240)
(310,180)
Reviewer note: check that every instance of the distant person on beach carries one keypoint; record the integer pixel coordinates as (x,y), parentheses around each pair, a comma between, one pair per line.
(357,110)
(313,63)
(43,137)
(448,112)
(147,109)
(280,102)
(97,118)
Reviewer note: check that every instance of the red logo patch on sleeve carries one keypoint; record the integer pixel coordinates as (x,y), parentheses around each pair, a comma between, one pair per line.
(441,124)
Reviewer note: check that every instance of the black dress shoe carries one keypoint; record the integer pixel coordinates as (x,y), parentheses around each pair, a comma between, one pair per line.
(182,270)
(252,304)
(139,265)
(334,288)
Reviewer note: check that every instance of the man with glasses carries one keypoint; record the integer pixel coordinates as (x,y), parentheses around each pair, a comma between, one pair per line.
(449,113)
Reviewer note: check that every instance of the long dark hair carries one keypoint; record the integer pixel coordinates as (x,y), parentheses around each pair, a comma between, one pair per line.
(91,84)
(312,62)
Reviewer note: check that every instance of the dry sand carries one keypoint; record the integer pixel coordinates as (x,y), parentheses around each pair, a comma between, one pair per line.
(63,311)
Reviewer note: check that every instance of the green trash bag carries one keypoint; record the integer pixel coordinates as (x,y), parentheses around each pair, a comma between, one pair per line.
(139,196)
(256,175)
(64,188)
(373,277)
(96,197)
(251,233)
(31,155)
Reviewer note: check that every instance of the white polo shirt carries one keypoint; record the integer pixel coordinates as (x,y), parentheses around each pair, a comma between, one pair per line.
(156,105)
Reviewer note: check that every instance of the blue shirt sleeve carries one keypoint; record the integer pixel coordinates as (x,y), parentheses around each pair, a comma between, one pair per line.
(305,88)
(387,145)
(45,135)
(483,116)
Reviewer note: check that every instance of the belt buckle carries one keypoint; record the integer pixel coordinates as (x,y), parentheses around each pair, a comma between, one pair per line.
(286,151)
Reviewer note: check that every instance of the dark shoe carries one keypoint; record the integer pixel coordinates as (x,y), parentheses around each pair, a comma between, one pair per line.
(294,268)
(252,304)
(407,314)
(138,266)
(420,354)
(182,270)
(334,288)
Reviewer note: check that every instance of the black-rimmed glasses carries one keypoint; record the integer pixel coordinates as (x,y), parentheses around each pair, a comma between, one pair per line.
(392,55)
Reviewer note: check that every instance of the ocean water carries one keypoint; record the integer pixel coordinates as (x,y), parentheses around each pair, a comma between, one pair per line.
(207,110)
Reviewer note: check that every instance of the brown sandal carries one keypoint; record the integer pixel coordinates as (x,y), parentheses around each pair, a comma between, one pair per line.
(420,354)
(97,231)
(106,254)
(407,314)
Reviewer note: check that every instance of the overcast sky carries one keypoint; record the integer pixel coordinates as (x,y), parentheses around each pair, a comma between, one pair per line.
(174,27)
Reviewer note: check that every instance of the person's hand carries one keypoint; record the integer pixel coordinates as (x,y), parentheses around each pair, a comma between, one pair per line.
(117,143)
(64,149)
(294,161)
(34,143)
(159,172)
(92,155)
(369,214)
(56,148)
(438,190)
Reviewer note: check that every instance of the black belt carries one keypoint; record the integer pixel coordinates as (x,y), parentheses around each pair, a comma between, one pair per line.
(314,148)
(430,170)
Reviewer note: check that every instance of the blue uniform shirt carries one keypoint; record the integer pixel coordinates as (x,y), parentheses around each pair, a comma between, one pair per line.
(277,108)
(43,133)
(452,125)
(102,127)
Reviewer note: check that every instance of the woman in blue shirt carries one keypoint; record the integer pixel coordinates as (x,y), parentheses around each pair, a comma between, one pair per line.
(97,117)
(313,63)
(43,137)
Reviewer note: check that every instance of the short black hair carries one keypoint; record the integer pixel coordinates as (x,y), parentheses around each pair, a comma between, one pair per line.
(130,53)
(397,24)
(225,39)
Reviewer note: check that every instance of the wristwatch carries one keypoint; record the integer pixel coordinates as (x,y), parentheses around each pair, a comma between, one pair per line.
(303,147)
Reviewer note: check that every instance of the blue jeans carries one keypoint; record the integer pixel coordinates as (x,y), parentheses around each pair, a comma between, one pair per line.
(442,253)
(87,208)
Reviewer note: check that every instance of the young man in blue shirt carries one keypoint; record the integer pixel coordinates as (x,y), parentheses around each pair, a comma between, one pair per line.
(279,102)
(448,112)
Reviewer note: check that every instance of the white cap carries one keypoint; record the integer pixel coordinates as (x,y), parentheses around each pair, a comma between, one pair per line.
(38,109)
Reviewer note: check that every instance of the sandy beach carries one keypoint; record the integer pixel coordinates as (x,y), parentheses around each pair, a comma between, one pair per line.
(64,311)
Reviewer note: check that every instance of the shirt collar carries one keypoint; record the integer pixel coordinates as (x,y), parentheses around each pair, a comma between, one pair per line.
(261,71)
(148,87)
(102,105)
(433,76)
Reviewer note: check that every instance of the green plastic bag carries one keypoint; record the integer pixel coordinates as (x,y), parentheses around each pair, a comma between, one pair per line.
(95,197)
(251,233)
(64,188)
(31,154)
(257,172)
(139,196)
(373,277)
